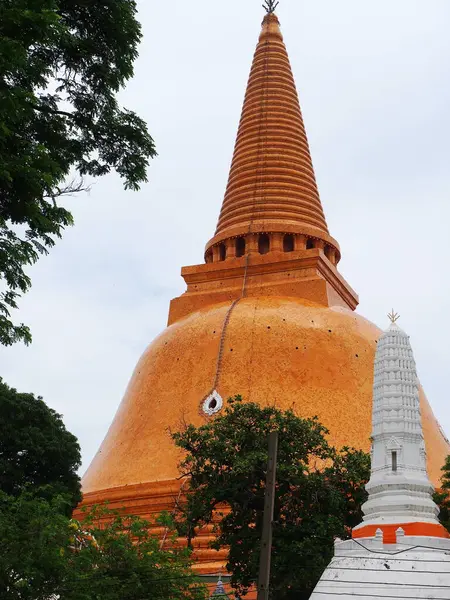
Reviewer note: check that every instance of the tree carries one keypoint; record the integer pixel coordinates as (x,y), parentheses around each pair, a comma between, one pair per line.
(119,559)
(349,473)
(442,496)
(34,534)
(319,493)
(62,63)
(37,453)
(46,556)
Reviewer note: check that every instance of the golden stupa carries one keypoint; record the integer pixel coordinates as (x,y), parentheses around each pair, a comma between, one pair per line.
(268,316)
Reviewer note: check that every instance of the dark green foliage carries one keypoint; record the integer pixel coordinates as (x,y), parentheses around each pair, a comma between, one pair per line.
(62,63)
(127,563)
(442,496)
(349,473)
(319,493)
(46,556)
(37,453)
(34,534)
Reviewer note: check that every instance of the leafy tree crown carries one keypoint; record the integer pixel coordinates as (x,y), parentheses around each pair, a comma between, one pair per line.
(37,453)
(319,492)
(62,63)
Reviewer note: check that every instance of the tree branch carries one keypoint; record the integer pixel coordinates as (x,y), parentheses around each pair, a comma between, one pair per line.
(46,109)
(74,187)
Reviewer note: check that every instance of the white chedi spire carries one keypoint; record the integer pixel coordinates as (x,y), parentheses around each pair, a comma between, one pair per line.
(400,550)
(399,488)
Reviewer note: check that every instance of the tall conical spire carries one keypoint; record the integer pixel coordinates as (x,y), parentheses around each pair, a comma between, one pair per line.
(272,186)
(272,235)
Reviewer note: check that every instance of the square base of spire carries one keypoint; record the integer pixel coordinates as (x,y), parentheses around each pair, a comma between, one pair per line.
(306,274)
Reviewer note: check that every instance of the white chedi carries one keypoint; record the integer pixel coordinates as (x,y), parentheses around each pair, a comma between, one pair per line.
(399,487)
(400,550)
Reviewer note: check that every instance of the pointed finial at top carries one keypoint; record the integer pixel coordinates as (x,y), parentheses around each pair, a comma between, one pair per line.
(270,6)
(393,316)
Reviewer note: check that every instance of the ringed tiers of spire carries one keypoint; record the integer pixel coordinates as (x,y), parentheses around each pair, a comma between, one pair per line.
(272,186)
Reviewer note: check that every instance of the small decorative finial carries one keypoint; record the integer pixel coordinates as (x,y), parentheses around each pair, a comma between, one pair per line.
(219,592)
(393,316)
(270,6)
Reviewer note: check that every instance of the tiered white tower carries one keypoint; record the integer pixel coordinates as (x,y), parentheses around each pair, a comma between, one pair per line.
(399,488)
(400,550)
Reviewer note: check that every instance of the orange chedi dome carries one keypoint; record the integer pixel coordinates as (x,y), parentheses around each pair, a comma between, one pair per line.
(268,316)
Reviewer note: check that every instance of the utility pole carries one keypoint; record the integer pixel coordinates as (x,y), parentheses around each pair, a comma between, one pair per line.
(269,502)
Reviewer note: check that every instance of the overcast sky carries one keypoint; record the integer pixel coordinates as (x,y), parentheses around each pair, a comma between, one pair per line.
(374,85)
